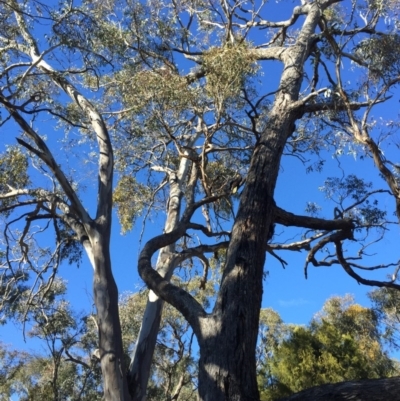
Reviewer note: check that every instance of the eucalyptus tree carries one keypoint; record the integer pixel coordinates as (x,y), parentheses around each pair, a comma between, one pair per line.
(32,89)
(68,366)
(30,85)
(179,87)
(327,111)
(65,368)
(386,305)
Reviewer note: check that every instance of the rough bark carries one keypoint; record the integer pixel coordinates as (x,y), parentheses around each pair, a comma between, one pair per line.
(228,372)
(362,390)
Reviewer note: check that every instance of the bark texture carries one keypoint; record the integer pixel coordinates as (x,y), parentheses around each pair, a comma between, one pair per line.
(228,372)
(227,366)
(227,336)
(386,389)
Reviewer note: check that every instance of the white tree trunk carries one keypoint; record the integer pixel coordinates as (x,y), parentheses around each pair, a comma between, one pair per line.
(142,355)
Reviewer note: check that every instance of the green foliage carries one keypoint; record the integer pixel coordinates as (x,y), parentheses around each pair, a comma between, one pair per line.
(386,305)
(350,187)
(13,169)
(218,176)
(12,285)
(382,53)
(333,15)
(66,371)
(227,68)
(160,89)
(174,361)
(383,6)
(272,328)
(13,173)
(351,194)
(341,343)
(130,197)
(11,364)
(70,247)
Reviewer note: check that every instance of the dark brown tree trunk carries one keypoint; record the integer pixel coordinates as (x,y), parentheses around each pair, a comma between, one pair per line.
(228,339)
(362,390)
(227,367)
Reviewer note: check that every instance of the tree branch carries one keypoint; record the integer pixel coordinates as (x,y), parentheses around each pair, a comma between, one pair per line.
(106,158)
(177,297)
(46,156)
(289,219)
(347,268)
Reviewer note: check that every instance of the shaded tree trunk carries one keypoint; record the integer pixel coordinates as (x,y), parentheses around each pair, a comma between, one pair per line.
(109,328)
(386,389)
(228,337)
(227,366)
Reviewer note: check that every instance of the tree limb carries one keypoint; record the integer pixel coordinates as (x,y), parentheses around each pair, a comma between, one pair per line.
(347,268)
(362,390)
(289,219)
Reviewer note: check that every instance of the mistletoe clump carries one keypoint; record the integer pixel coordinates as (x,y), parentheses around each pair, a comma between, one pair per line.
(227,68)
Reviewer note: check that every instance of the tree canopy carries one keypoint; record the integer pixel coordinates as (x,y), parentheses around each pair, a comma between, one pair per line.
(342,343)
(177,108)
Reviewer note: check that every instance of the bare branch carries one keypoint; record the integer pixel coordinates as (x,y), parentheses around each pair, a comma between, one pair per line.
(334,237)
(289,219)
(347,268)
(46,156)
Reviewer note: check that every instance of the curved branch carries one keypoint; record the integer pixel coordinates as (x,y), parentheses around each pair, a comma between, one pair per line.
(347,268)
(297,11)
(334,237)
(177,297)
(206,231)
